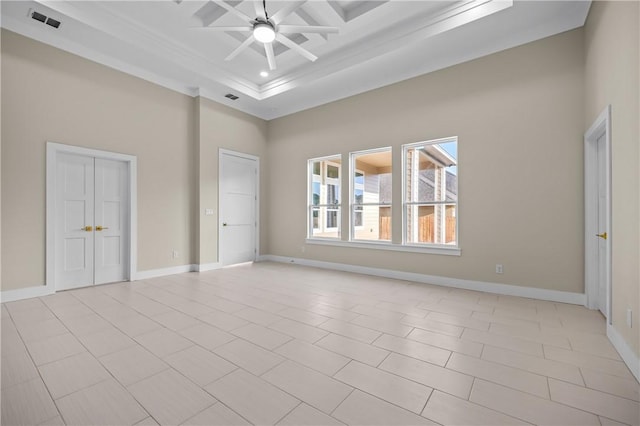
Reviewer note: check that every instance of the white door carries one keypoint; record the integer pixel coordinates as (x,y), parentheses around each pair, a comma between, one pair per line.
(238,208)
(91,209)
(74,221)
(111,203)
(602,225)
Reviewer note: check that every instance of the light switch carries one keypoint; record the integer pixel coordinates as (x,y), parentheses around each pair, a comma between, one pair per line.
(208,212)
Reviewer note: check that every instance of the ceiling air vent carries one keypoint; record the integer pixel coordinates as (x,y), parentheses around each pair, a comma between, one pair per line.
(38,17)
(44,19)
(52,22)
(231,96)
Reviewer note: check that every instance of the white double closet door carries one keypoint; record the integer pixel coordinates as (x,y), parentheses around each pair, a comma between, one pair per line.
(91,219)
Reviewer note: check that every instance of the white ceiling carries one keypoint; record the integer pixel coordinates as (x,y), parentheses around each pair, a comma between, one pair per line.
(379,42)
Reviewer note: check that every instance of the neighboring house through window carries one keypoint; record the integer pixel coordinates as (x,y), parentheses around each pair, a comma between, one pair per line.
(431,192)
(371,195)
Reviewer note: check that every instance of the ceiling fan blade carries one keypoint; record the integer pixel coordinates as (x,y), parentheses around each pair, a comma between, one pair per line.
(294,46)
(286,11)
(302,29)
(240,48)
(233,10)
(237,29)
(271,58)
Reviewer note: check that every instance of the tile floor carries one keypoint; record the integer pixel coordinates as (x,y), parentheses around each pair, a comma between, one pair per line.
(284,344)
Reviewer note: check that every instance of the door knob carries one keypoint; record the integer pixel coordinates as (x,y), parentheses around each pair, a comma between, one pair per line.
(603,235)
(100,228)
(88,228)
(224,224)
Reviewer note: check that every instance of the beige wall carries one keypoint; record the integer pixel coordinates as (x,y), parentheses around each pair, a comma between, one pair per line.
(223,127)
(519,116)
(50,95)
(612,78)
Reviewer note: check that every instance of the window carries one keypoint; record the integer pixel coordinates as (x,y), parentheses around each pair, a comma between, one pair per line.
(431,192)
(324,197)
(371,195)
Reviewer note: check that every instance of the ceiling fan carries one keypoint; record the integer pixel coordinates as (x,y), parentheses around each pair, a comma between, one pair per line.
(266,29)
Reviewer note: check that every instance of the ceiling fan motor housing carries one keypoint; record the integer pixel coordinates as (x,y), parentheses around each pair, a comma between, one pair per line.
(263,31)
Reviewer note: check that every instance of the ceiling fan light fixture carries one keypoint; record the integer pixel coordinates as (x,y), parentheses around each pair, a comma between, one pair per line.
(264,32)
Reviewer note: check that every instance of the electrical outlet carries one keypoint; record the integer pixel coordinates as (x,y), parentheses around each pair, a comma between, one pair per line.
(629,317)
(174,254)
(498,268)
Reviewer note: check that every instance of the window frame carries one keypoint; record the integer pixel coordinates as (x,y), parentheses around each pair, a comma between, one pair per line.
(352,186)
(406,204)
(311,207)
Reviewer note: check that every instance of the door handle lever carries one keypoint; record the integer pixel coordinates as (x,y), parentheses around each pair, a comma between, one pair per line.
(224,224)
(603,235)
(100,228)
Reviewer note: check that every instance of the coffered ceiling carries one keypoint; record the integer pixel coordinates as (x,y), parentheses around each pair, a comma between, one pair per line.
(377,43)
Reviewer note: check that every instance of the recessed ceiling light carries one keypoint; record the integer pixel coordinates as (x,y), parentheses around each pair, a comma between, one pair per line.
(264,74)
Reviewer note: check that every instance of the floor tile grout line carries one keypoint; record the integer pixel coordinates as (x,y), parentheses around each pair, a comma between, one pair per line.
(353,389)
(384,371)
(549,400)
(384,400)
(385,358)
(637,401)
(425,403)
(581,409)
(495,409)
(36,368)
(509,367)
(290,411)
(432,386)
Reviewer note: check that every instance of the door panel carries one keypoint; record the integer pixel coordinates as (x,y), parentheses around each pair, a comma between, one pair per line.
(74,201)
(74,254)
(111,205)
(238,190)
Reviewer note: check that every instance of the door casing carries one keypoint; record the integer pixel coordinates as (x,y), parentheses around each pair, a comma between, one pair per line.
(53,149)
(602,125)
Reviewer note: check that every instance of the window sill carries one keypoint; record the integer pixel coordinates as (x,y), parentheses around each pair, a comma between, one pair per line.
(447,251)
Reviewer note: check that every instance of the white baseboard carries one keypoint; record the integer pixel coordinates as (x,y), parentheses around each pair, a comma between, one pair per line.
(207,267)
(628,356)
(154,273)
(43,290)
(25,293)
(505,289)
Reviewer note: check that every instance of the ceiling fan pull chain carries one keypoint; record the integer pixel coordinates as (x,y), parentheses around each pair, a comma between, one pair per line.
(264,6)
